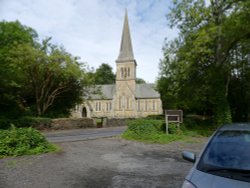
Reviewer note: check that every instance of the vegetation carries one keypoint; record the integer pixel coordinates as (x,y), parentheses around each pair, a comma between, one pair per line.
(23,141)
(37,78)
(206,70)
(154,131)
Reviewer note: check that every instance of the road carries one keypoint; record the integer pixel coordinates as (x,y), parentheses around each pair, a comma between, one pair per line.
(82,134)
(101,163)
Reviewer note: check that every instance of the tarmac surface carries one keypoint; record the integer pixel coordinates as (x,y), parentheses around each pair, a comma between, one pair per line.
(101,163)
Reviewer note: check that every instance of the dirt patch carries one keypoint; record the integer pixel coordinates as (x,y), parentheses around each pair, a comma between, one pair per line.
(110,162)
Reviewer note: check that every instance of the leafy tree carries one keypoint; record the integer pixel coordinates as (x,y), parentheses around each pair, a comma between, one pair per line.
(104,75)
(11,35)
(197,67)
(140,81)
(41,78)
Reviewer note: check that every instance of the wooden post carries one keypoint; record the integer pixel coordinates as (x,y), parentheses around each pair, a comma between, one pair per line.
(166,119)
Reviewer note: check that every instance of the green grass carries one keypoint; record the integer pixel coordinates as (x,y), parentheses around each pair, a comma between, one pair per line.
(23,141)
(153,131)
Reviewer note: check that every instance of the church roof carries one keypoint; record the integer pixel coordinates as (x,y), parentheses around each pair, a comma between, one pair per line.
(142,91)
(103,92)
(146,91)
(126,50)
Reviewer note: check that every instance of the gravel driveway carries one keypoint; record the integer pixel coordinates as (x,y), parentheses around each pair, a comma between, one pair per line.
(101,163)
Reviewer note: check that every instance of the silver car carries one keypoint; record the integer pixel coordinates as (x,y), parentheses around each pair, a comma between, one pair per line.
(224,162)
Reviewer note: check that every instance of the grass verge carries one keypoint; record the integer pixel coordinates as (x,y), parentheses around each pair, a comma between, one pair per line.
(153,131)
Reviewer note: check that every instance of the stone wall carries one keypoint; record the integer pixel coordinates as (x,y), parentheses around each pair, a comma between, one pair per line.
(114,122)
(78,123)
(71,123)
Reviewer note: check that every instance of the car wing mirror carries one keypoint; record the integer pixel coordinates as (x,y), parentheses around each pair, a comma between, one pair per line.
(189,156)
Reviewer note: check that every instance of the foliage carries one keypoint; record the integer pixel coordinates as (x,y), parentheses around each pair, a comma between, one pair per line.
(154,131)
(26,121)
(140,81)
(104,75)
(37,78)
(11,35)
(146,130)
(23,141)
(201,67)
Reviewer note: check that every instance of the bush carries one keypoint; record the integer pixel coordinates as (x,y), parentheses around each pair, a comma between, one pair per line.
(149,130)
(35,122)
(23,141)
(26,121)
(198,127)
(4,123)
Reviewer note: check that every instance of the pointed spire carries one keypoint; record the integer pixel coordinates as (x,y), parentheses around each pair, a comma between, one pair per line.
(126,50)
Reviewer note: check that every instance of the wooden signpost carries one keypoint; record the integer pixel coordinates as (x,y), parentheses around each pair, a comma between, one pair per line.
(173,116)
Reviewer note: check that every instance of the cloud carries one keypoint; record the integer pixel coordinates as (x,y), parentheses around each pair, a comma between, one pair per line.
(92,29)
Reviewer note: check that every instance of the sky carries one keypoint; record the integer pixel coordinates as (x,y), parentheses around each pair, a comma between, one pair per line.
(92,29)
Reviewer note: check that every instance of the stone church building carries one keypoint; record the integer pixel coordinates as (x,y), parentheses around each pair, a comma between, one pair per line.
(125,98)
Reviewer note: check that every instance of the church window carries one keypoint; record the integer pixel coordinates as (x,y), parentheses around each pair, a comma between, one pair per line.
(120,103)
(139,106)
(122,73)
(125,72)
(108,106)
(153,105)
(128,72)
(128,103)
(98,106)
(146,105)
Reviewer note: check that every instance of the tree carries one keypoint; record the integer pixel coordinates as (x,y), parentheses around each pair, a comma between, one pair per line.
(11,35)
(41,78)
(104,75)
(140,81)
(200,66)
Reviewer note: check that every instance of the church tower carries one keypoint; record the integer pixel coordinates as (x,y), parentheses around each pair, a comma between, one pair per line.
(125,74)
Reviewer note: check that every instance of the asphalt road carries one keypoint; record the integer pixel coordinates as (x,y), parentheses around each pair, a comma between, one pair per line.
(101,163)
(82,134)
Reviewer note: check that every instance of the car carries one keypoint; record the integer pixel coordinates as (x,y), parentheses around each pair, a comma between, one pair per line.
(224,161)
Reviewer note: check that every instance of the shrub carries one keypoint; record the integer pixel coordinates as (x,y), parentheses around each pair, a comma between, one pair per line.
(26,121)
(4,123)
(148,130)
(35,122)
(23,141)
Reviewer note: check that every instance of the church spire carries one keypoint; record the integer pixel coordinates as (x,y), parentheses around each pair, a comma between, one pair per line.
(126,50)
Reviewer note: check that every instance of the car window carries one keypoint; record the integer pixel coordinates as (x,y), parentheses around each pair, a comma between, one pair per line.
(228,151)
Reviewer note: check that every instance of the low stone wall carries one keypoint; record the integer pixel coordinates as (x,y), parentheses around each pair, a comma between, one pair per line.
(78,123)
(114,122)
(72,123)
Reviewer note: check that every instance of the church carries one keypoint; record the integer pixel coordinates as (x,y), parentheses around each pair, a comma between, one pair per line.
(125,98)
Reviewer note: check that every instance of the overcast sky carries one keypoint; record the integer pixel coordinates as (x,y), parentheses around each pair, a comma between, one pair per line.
(91,29)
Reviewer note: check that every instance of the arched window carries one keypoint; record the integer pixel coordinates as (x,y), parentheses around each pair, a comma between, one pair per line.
(122,73)
(128,72)
(128,103)
(120,103)
(125,72)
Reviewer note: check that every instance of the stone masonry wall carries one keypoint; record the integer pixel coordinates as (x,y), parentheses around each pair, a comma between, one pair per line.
(70,123)
(114,122)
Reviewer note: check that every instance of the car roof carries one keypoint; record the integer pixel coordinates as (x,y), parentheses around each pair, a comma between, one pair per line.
(236,127)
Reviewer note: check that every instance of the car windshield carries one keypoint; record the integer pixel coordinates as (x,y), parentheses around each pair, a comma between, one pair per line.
(227,153)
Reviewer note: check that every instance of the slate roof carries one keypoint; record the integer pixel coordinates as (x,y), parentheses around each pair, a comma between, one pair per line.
(103,92)
(142,91)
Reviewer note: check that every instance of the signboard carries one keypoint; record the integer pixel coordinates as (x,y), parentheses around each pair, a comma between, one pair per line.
(173,116)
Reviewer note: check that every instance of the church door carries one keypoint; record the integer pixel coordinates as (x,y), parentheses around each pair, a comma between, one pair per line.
(84,112)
